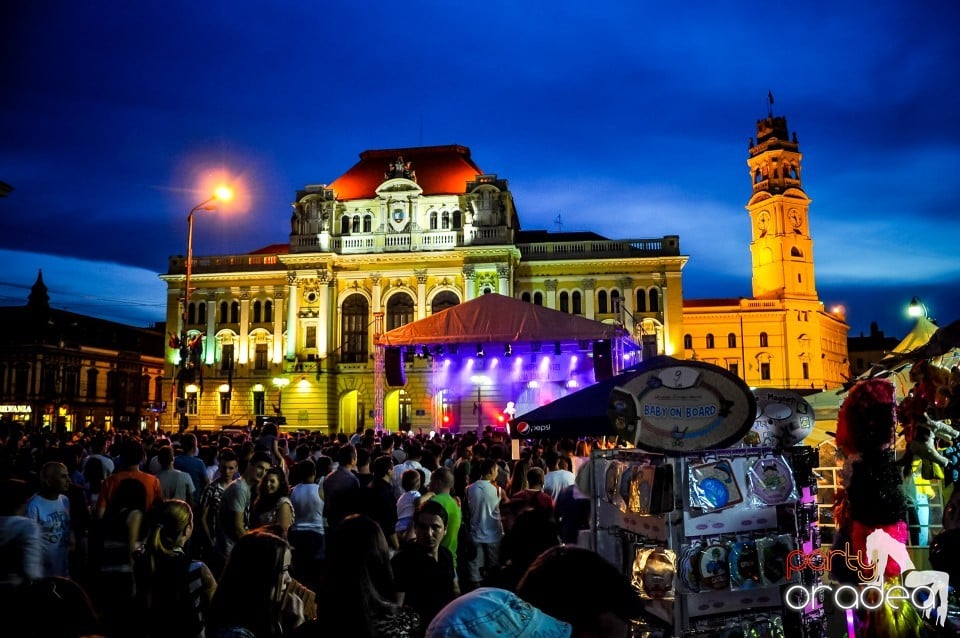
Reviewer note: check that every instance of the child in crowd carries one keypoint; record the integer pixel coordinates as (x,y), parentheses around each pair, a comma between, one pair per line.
(407,504)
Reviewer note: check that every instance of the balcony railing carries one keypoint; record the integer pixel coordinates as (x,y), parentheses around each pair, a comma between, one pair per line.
(593,249)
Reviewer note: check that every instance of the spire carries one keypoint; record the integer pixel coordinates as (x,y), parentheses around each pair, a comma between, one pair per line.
(39,299)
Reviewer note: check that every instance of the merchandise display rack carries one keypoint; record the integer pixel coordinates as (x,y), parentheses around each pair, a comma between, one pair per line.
(626,530)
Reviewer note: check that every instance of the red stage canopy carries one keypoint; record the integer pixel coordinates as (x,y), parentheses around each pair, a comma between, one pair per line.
(495,318)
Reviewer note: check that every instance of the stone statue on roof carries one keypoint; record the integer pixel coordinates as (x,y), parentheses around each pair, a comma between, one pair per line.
(399,168)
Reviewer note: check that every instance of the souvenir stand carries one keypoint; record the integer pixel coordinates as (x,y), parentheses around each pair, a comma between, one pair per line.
(706,512)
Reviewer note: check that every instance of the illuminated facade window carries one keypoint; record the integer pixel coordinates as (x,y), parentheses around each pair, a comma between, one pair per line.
(710,343)
(538,298)
(442,301)
(654,300)
(368,223)
(226,357)
(259,403)
(602,302)
(641,300)
(731,340)
(564,301)
(614,301)
(764,340)
(260,357)
(445,220)
(224,403)
(688,342)
(193,404)
(433,220)
(257,311)
(765,371)
(92,375)
(268,311)
(399,310)
(355,319)
(577,303)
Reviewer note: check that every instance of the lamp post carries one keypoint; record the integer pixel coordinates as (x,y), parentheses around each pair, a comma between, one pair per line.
(220,194)
(917,309)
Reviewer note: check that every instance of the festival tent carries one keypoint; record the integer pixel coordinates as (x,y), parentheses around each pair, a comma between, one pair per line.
(496,318)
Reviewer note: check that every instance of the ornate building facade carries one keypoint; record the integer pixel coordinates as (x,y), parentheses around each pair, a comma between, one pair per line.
(60,369)
(288,330)
(782,337)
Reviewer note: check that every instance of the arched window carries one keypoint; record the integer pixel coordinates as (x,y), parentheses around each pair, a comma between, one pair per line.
(192,313)
(688,342)
(764,340)
(268,311)
(731,340)
(433,220)
(445,220)
(654,300)
(538,298)
(355,227)
(345,225)
(709,341)
(353,331)
(224,310)
(602,302)
(614,301)
(457,219)
(367,223)
(257,311)
(564,301)
(795,252)
(235,312)
(202,312)
(577,303)
(641,300)
(399,310)
(525,297)
(442,301)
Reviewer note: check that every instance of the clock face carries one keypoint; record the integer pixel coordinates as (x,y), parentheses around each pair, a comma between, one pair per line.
(763,221)
(795,219)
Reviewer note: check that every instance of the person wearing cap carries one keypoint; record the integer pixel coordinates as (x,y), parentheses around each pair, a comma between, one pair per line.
(489,612)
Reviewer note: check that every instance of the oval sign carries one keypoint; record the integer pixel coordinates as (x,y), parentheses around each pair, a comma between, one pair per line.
(676,407)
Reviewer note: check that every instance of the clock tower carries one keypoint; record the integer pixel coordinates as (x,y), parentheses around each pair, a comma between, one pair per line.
(781,248)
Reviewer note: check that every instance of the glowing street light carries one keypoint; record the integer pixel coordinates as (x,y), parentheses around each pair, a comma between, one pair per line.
(280,383)
(916,309)
(220,194)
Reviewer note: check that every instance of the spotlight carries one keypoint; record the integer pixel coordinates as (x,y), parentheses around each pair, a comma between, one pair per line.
(425,352)
(508,350)
(480,354)
(438,351)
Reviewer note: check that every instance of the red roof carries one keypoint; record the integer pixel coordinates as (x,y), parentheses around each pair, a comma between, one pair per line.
(440,170)
(272,249)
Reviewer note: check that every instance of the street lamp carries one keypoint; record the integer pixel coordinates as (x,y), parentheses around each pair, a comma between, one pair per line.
(280,383)
(916,309)
(220,194)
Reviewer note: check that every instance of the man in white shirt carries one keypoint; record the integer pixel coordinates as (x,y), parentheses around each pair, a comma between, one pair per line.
(559,475)
(174,483)
(414,454)
(50,508)
(483,500)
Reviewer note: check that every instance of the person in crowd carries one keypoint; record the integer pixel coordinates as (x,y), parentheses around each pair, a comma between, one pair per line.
(54,607)
(603,606)
(131,456)
(233,517)
(190,462)
(272,505)
(307,533)
(268,442)
(341,488)
(412,462)
(484,497)
(532,533)
(533,496)
(174,483)
(518,478)
(50,509)
(558,475)
(21,551)
(490,612)
(572,510)
(360,587)
(363,467)
(441,486)
(379,502)
(210,501)
(173,590)
(461,471)
(424,570)
(253,597)
(407,504)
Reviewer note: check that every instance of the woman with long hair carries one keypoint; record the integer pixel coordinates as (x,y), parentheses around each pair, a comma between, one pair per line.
(518,478)
(273,505)
(360,592)
(172,589)
(252,598)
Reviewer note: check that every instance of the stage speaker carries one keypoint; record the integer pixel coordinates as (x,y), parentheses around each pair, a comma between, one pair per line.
(393,365)
(602,361)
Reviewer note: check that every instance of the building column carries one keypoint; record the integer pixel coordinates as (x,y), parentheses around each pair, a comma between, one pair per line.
(323,330)
(210,340)
(627,301)
(277,326)
(469,284)
(291,316)
(377,292)
(503,280)
(421,293)
(244,345)
(551,285)
(589,306)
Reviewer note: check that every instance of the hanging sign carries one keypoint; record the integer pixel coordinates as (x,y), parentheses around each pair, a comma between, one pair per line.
(675,407)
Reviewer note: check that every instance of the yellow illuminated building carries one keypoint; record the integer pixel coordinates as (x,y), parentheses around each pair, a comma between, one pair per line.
(288,330)
(782,337)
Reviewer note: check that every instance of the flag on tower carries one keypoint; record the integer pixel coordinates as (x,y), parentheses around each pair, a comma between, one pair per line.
(770,97)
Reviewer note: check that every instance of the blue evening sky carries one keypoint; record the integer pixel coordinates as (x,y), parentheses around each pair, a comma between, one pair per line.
(630,119)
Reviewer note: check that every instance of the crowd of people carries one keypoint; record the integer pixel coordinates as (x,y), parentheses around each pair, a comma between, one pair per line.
(256,534)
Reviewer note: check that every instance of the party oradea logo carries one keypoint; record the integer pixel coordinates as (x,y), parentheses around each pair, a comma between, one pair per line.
(924,589)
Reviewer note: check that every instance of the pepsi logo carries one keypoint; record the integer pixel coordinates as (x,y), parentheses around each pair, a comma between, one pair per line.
(523,427)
